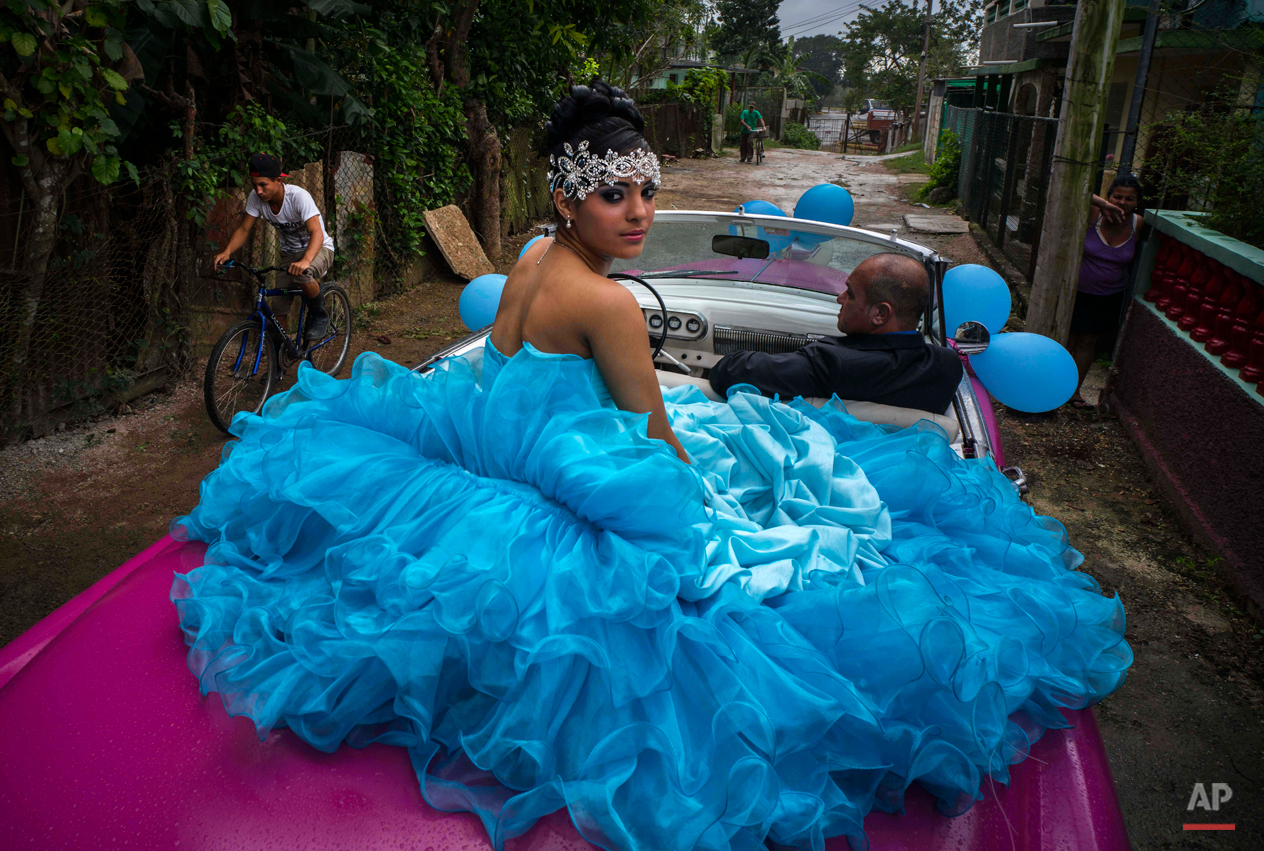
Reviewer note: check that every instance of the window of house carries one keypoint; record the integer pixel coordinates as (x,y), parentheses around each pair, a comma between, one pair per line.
(1019,5)
(1002,8)
(991,14)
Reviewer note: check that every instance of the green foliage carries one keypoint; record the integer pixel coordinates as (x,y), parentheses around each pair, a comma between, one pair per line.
(417,135)
(58,98)
(746,25)
(946,168)
(795,135)
(881,49)
(822,55)
(701,88)
(219,163)
(787,71)
(732,122)
(1213,159)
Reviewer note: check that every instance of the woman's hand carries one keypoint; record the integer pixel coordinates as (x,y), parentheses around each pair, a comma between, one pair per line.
(1110,212)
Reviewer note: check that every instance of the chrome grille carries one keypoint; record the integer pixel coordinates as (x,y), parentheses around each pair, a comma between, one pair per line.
(730,340)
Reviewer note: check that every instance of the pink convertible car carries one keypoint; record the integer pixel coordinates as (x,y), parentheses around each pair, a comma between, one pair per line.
(109,745)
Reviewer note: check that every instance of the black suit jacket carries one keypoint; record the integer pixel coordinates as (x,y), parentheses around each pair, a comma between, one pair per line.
(893,369)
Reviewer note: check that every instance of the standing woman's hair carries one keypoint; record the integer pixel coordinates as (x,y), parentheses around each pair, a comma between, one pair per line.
(1127,181)
(601,115)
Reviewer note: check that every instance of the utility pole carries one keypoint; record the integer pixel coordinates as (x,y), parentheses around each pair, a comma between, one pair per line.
(1089,69)
(921,71)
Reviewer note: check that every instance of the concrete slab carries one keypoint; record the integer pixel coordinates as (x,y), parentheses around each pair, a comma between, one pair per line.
(914,178)
(451,231)
(937,224)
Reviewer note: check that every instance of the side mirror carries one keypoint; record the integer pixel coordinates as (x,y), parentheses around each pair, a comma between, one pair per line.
(972,338)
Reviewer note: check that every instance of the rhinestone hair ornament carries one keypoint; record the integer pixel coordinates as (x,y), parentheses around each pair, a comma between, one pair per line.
(580,172)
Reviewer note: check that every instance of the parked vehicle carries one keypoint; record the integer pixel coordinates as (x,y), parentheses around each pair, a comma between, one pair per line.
(878,118)
(108,741)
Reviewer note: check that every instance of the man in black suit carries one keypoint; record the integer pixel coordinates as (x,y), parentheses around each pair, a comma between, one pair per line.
(882,359)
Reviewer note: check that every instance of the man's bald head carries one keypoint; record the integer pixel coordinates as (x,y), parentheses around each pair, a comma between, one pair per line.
(897,281)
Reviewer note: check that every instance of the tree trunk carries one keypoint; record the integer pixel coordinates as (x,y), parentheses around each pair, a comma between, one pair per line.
(485,144)
(48,186)
(1092,62)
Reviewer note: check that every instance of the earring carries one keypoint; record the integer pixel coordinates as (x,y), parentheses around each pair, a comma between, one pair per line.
(568,222)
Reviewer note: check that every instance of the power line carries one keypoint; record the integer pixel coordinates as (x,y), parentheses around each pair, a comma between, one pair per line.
(814,18)
(789,31)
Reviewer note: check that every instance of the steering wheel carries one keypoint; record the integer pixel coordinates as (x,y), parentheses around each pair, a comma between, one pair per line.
(662,340)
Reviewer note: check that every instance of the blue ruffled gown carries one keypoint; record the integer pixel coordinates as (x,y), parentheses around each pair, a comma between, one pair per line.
(495,568)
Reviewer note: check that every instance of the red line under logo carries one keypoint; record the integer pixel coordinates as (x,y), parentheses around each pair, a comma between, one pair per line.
(1208,827)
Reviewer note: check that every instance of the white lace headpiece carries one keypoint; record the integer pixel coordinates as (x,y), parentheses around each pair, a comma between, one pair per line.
(579,172)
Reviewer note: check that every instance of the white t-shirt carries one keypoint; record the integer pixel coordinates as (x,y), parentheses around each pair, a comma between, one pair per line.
(291,223)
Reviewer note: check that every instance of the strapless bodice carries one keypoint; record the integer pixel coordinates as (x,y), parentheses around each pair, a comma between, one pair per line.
(584,369)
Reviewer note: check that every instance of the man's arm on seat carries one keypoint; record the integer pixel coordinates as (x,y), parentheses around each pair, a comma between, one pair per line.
(799,373)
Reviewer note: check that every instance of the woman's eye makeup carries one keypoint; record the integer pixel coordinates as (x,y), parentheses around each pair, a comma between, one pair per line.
(614,196)
(648,190)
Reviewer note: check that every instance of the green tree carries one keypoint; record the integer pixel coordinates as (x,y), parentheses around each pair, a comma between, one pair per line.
(881,49)
(823,55)
(63,69)
(788,71)
(746,24)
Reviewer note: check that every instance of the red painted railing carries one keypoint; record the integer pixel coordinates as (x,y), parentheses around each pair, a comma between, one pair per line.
(1215,305)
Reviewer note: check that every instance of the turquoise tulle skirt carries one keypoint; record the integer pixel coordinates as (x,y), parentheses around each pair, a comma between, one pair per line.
(496,569)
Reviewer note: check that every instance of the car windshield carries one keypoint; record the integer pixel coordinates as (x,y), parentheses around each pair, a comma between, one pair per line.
(743,252)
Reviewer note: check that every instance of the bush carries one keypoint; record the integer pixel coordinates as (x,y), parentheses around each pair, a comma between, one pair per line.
(1211,160)
(947,165)
(797,136)
(733,122)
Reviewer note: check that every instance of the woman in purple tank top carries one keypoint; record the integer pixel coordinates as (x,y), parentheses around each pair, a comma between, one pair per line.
(1109,248)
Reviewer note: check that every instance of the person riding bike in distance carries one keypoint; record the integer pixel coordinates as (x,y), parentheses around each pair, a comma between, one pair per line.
(751,117)
(306,246)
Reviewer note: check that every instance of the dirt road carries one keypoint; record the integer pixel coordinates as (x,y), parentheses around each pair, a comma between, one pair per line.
(77,503)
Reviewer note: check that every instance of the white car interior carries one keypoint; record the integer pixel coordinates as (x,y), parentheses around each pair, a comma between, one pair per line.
(736,282)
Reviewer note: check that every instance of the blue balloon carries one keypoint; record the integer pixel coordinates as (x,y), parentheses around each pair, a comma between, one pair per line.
(975,293)
(479,300)
(826,202)
(1027,372)
(530,243)
(776,241)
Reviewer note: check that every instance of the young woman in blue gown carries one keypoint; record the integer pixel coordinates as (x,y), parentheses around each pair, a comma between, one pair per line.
(695,625)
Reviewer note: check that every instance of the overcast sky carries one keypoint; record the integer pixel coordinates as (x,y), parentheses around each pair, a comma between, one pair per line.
(818,17)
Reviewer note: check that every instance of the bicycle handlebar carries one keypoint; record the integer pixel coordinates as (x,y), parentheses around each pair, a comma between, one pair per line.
(258,273)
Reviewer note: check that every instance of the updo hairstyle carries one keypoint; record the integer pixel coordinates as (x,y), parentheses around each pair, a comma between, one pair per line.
(601,115)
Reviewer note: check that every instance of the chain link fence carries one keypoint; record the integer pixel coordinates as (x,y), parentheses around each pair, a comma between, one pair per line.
(106,321)
(769,100)
(131,300)
(1201,103)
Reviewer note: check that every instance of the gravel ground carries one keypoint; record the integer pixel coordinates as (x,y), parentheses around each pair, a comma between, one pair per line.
(79,502)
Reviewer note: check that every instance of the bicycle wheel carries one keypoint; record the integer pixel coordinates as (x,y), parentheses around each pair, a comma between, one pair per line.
(332,352)
(240,373)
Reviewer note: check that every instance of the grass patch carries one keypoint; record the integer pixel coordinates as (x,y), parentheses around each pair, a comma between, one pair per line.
(914,162)
(908,146)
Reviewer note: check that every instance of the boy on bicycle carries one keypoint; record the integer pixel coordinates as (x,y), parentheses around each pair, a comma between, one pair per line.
(306,247)
(750,117)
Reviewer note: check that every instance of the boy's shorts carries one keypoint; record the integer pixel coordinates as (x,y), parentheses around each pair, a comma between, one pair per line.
(284,280)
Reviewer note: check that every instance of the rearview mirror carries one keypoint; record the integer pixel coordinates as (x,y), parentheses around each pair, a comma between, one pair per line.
(741,247)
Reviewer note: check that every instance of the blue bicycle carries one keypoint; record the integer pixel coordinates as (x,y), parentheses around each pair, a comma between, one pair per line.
(250,358)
